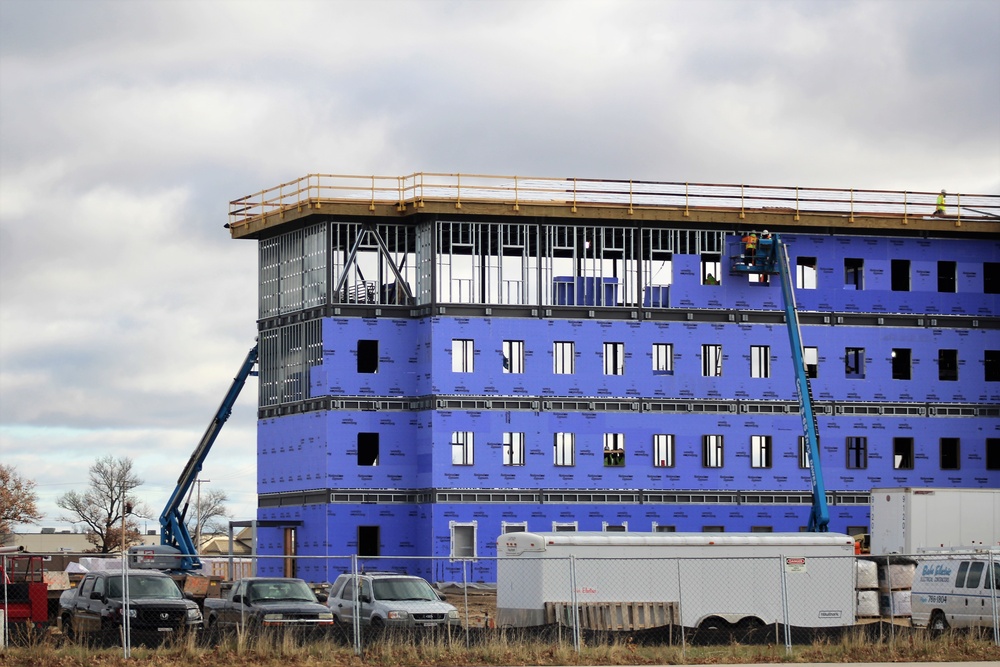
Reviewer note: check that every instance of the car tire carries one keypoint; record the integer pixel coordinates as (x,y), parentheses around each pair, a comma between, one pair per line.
(938,624)
(67,628)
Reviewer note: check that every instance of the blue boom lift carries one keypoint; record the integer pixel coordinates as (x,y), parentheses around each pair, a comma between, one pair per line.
(178,551)
(771,258)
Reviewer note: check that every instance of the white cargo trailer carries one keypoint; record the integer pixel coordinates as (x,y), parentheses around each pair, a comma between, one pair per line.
(911,520)
(704,579)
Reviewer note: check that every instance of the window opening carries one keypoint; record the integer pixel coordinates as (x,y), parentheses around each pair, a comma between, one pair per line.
(854,360)
(711,360)
(367,449)
(558,527)
(513,449)
(657,528)
(713,529)
(761,529)
(368,356)
(614,358)
(901,366)
(564,449)
(991,277)
(462,355)
(614,450)
(805,273)
(857,453)
(950,454)
(760,451)
(663,450)
(902,453)
(854,273)
(804,461)
(711,269)
(947,277)
(513,356)
(461,448)
(563,357)
(991,365)
(760,361)
(948,365)
(993,453)
(711,451)
(369,542)
(463,540)
(614,528)
(900,275)
(663,359)
(810,356)
(518,527)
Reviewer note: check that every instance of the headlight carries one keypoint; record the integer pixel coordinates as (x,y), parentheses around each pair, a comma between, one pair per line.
(453,614)
(397,615)
(193,614)
(272,617)
(325,617)
(131,612)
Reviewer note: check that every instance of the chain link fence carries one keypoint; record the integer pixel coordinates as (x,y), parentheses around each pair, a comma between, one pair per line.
(576,601)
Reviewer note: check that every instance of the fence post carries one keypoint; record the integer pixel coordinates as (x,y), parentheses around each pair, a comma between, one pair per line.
(993,593)
(680,610)
(784,605)
(465,593)
(356,621)
(574,603)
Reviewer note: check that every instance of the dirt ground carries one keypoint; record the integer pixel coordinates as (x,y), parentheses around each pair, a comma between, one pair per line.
(482,604)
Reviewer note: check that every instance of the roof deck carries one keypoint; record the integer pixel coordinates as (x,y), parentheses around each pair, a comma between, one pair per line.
(745,206)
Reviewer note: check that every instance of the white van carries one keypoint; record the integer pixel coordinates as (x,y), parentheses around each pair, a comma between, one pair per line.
(955,591)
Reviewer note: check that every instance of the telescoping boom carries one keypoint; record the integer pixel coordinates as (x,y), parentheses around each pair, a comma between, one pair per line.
(173,533)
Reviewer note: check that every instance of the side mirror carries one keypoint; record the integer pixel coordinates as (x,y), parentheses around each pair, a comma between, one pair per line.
(237,599)
(322,597)
(365,598)
(96,595)
(442,597)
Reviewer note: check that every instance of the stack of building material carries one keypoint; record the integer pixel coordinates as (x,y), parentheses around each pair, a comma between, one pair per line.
(867,588)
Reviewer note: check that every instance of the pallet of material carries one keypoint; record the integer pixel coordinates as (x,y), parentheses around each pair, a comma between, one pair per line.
(615,615)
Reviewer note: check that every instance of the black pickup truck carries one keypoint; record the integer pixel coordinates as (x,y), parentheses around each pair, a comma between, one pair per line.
(95,610)
(257,603)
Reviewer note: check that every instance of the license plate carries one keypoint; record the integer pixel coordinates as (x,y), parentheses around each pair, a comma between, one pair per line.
(430,625)
(164,629)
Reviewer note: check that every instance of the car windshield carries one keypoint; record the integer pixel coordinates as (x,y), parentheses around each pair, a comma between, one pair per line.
(403,589)
(280,590)
(140,587)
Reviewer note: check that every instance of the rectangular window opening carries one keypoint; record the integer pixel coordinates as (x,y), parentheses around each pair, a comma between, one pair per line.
(711,360)
(463,540)
(614,450)
(711,269)
(857,453)
(948,365)
(804,457)
(369,543)
(368,356)
(805,273)
(901,365)
(513,449)
(950,454)
(760,451)
(991,277)
(947,277)
(657,528)
(462,355)
(663,359)
(563,357)
(854,362)
(854,273)
(614,358)
(900,275)
(711,451)
(564,449)
(811,357)
(991,365)
(513,356)
(993,453)
(663,450)
(462,448)
(367,449)
(902,453)
(760,361)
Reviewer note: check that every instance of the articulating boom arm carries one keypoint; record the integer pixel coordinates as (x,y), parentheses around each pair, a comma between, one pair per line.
(172,530)
(819,516)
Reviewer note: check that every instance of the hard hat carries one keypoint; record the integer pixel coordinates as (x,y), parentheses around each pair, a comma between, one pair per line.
(943,192)
(765,232)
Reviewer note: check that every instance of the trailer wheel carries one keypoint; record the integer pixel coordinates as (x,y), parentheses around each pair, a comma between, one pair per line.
(747,630)
(713,630)
(938,624)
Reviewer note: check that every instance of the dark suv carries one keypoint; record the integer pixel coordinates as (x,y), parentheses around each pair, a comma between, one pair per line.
(389,600)
(95,610)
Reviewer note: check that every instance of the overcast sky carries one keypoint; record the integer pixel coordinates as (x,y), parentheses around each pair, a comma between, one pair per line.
(126,127)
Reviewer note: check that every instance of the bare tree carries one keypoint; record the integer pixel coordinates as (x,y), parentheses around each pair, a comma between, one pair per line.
(18,500)
(101,507)
(211,517)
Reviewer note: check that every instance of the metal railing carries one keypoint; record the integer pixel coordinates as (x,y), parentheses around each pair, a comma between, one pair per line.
(418,189)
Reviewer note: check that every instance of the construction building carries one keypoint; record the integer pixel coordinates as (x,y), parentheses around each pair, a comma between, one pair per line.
(445,358)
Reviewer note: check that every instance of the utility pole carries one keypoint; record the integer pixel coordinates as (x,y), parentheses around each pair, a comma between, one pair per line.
(197,523)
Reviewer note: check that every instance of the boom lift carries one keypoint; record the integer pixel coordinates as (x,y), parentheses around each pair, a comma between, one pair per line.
(771,258)
(177,546)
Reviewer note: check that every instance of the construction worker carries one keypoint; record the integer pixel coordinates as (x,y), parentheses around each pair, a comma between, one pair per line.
(939,209)
(749,248)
